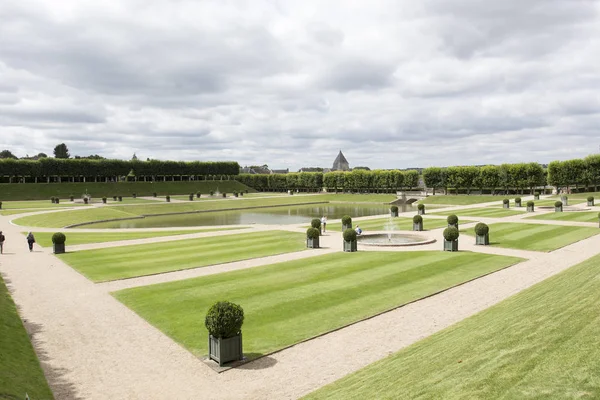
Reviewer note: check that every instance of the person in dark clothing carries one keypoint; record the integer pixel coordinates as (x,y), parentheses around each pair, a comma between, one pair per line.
(2,239)
(30,241)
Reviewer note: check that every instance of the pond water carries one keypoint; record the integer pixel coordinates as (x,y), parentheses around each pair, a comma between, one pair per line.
(271,215)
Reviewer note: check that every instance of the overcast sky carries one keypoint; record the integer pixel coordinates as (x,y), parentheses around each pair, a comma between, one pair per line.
(392,83)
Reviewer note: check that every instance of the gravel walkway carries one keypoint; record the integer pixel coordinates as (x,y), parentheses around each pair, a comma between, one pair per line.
(93,347)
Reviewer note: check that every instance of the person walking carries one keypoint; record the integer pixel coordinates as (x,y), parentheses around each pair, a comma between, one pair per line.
(30,240)
(2,239)
(324,223)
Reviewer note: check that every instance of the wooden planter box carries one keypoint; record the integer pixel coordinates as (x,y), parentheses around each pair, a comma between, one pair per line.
(450,245)
(418,226)
(58,248)
(558,209)
(421,212)
(393,213)
(312,243)
(530,208)
(506,205)
(350,246)
(590,203)
(225,350)
(483,240)
(565,200)
(344,227)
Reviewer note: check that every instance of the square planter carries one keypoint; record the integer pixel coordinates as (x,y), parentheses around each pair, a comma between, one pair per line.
(517,204)
(135,196)
(418,227)
(565,200)
(483,240)
(191,197)
(344,227)
(421,212)
(530,208)
(350,246)
(394,213)
(590,203)
(506,205)
(451,245)
(58,248)
(104,200)
(312,243)
(558,209)
(225,350)
(536,196)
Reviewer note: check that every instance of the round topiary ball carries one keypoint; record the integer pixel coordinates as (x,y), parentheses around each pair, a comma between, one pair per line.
(530,203)
(312,233)
(315,223)
(417,219)
(346,220)
(349,235)
(452,219)
(394,209)
(517,199)
(590,198)
(482,229)
(59,238)
(421,207)
(224,319)
(558,204)
(505,201)
(451,234)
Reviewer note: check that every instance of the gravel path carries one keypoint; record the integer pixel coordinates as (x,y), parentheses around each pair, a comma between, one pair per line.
(93,347)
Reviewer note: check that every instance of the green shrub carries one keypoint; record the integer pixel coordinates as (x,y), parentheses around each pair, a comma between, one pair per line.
(530,203)
(590,198)
(349,235)
(537,193)
(198,194)
(168,198)
(394,209)
(59,238)
(346,220)
(212,192)
(417,219)
(421,207)
(312,233)
(482,229)
(451,234)
(452,219)
(224,319)
(558,204)
(315,223)
(154,194)
(505,201)
(115,198)
(104,200)
(52,199)
(71,198)
(517,200)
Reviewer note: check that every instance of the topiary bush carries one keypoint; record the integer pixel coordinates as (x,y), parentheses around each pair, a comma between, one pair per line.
(349,235)
(154,194)
(212,192)
(71,198)
(451,234)
(168,198)
(347,220)
(394,209)
(590,198)
(224,319)
(417,219)
(52,199)
(315,223)
(482,229)
(421,207)
(452,219)
(104,200)
(114,198)
(517,200)
(505,201)
(198,194)
(59,238)
(312,233)
(558,204)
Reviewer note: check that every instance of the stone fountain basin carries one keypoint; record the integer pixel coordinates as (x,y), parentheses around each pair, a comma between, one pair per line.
(393,239)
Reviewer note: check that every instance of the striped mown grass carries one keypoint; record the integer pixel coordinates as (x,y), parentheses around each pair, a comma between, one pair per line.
(490,212)
(460,200)
(146,259)
(71,217)
(574,216)
(540,344)
(535,237)
(399,223)
(289,302)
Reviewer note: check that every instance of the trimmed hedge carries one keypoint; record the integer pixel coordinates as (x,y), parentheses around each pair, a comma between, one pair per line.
(505,201)
(452,219)
(417,219)
(312,233)
(530,203)
(315,223)
(590,198)
(482,229)
(59,238)
(421,207)
(346,220)
(558,204)
(451,234)
(224,319)
(394,209)
(349,235)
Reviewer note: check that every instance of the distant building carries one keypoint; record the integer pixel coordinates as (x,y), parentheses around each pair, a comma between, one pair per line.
(280,171)
(311,169)
(340,163)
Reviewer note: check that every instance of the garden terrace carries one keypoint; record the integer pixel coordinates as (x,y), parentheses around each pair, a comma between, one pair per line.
(489,212)
(290,302)
(540,343)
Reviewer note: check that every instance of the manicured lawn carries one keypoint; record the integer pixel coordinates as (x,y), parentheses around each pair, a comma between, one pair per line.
(20,370)
(17,205)
(461,199)
(576,216)
(65,218)
(535,237)
(44,239)
(289,302)
(579,197)
(400,223)
(540,344)
(23,211)
(490,212)
(146,259)
(360,198)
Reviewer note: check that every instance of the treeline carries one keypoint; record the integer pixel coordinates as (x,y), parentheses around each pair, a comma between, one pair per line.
(85,170)
(520,177)
(353,181)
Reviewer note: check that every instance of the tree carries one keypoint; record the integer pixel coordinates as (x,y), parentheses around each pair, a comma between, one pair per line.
(7,154)
(41,155)
(61,151)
